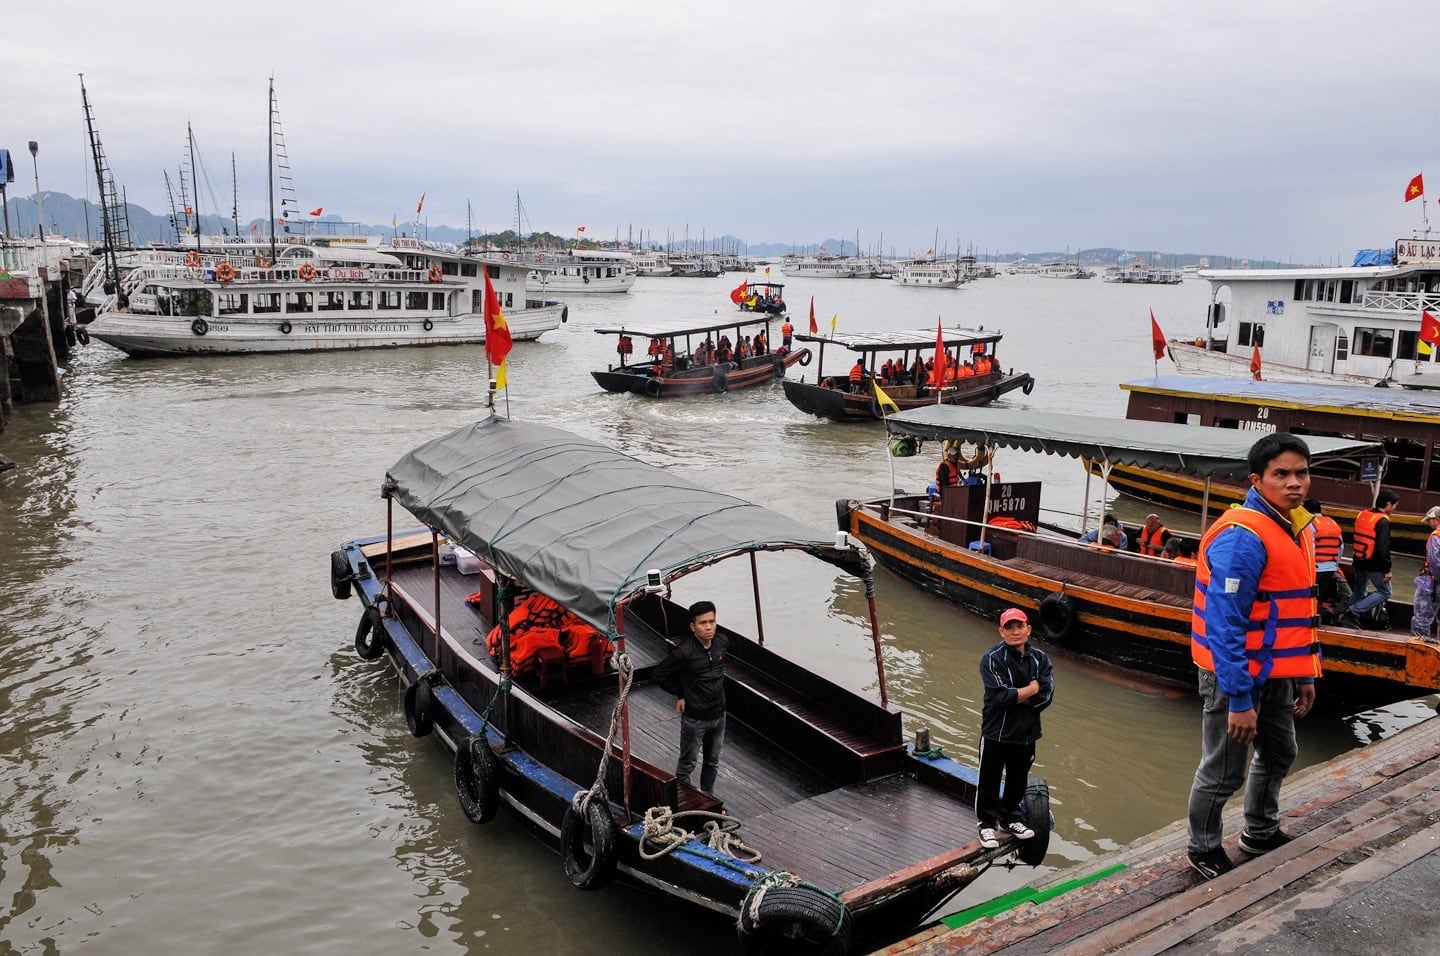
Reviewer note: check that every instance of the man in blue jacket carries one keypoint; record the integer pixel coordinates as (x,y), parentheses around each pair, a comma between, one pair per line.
(1018,685)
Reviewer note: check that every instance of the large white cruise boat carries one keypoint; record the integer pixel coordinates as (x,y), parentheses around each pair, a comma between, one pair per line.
(230,297)
(825,267)
(1359,323)
(583,271)
(928,273)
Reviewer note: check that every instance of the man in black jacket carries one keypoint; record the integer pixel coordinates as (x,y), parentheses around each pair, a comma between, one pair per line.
(1019,683)
(694,671)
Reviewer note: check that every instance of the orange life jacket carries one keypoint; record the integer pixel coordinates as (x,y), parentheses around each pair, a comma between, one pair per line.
(1151,542)
(1366,522)
(857,374)
(1327,539)
(786,329)
(1280,639)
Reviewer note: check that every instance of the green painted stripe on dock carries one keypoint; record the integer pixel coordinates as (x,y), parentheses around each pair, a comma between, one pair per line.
(1025,894)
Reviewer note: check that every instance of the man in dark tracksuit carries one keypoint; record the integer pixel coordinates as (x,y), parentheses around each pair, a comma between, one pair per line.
(1018,685)
(694,671)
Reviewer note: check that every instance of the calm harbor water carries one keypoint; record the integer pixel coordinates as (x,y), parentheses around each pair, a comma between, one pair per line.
(195,760)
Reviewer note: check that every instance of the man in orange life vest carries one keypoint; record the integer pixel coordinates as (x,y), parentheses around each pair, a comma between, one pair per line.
(1333,591)
(1253,637)
(1372,558)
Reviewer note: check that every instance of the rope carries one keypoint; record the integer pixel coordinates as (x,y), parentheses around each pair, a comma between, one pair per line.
(582,798)
(660,828)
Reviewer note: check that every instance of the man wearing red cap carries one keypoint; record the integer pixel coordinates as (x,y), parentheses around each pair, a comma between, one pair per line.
(1018,685)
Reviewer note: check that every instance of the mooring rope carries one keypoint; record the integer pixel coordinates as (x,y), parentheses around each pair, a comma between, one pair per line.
(720,834)
(582,798)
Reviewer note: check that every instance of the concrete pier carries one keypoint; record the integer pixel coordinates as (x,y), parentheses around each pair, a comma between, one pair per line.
(1358,877)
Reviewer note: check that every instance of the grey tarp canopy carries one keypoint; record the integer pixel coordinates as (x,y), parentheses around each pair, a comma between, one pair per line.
(581,522)
(1187,449)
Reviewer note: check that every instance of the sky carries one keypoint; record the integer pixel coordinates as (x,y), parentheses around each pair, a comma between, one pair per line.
(1275,129)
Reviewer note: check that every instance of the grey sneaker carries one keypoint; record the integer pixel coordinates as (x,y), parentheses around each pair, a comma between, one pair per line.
(1019,830)
(1255,846)
(989,839)
(1212,864)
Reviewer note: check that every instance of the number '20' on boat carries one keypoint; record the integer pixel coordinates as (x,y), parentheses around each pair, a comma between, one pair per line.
(983,545)
(697,358)
(578,740)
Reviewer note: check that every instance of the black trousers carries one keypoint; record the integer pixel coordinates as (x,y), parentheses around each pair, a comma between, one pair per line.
(1013,761)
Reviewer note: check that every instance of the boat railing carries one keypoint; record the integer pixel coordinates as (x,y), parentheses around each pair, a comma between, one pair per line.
(1391,301)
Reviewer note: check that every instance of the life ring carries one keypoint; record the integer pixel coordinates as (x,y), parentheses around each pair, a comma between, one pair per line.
(435,273)
(505,256)
(722,381)
(805,358)
(1038,818)
(1055,617)
(340,575)
(540,257)
(652,387)
(1028,387)
(225,272)
(192,259)
(307,271)
(419,707)
(199,326)
(477,779)
(800,917)
(427,325)
(285,327)
(261,262)
(369,640)
(977,457)
(595,826)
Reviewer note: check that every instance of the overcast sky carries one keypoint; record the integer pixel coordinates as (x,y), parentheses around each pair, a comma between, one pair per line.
(1263,129)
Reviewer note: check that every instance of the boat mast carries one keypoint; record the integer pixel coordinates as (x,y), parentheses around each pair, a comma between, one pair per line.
(194,181)
(111,225)
(270,165)
(174,216)
(234,195)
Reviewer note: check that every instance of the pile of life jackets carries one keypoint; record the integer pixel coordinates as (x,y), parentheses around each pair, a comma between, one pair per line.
(544,635)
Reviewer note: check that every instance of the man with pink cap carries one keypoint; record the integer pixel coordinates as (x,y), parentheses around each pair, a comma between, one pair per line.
(1018,685)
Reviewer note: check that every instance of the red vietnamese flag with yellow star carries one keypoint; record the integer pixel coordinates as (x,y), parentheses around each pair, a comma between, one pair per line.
(1429,332)
(497,331)
(1416,189)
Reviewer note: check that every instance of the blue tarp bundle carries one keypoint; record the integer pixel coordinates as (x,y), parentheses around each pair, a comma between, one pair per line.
(1375,257)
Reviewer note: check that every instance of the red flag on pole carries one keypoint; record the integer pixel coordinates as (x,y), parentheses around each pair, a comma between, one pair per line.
(497,330)
(579,228)
(317,211)
(1255,362)
(814,329)
(420,205)
(737,294)
(937,377)
(1157,338)
(1416,189)
(1429,331)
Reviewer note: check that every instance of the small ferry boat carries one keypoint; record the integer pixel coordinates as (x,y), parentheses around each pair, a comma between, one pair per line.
(652,264)
(311,294)
(695,358)
(983,546)
(1407,422)
(832,396)
(1358,324)
(767,297)
(825,267)
(928,273)
(579,271)
(829,833)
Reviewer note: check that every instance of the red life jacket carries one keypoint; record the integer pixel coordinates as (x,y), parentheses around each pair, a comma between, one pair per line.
(1327,539)
(1280,639)
(1365,524)
(1152,542)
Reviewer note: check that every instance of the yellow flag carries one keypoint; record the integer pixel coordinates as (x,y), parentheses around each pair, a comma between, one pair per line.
(1424,347)
(500,377)
(833,319)
(392,220)
(885,400)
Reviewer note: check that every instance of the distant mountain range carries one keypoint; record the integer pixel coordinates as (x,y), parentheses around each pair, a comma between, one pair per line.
(80,219)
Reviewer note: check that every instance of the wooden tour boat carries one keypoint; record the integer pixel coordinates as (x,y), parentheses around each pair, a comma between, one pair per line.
(1116,606)
(767,297)
(830,395)
(1407,422)
(835,831)
(679,360)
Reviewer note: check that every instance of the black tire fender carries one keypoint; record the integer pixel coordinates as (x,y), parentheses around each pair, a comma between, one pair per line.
(477,779)
(592,871)
(652,387)
(564,314)
(1029,386)
(1055,617)
(994,393)
(1039,818)
(427,325)
(779,367)
(843,507)
(794,919)
(804,358)
(369,636)
(82,334)
(199,326)
(420,707)
(340,575)
(285,328)
(722,381)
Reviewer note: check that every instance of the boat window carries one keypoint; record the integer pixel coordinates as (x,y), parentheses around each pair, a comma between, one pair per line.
(468,269)
(1342,347)
(1251,333)
(387,299)
(1349,291)
(298,302)
(450,268)
(360,299)
(1377,342)
(509,300)
(494,271)
(332,301)
(437,302)
(267,302)
(232,303)
(415,301)
(1408,341)
(1302,290)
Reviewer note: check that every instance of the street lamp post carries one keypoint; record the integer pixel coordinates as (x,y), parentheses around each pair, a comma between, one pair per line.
(39,202)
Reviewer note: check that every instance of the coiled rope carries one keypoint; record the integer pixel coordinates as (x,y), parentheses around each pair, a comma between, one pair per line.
(661,835)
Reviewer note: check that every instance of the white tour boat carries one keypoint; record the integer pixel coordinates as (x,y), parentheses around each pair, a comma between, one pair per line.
(928,273)
(584,271)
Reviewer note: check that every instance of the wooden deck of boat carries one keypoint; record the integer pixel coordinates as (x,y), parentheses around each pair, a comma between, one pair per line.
(1359,821)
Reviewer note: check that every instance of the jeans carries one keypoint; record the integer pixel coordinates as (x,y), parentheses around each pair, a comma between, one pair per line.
(696,735)
(1422,622)
(1014,760)
(1365,599)
(1222,762)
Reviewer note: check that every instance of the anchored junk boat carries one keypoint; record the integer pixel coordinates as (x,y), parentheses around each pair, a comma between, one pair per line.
(580,743)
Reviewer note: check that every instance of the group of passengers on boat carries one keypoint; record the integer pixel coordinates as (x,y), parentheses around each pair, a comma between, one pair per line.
(709,352)
(920,373)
